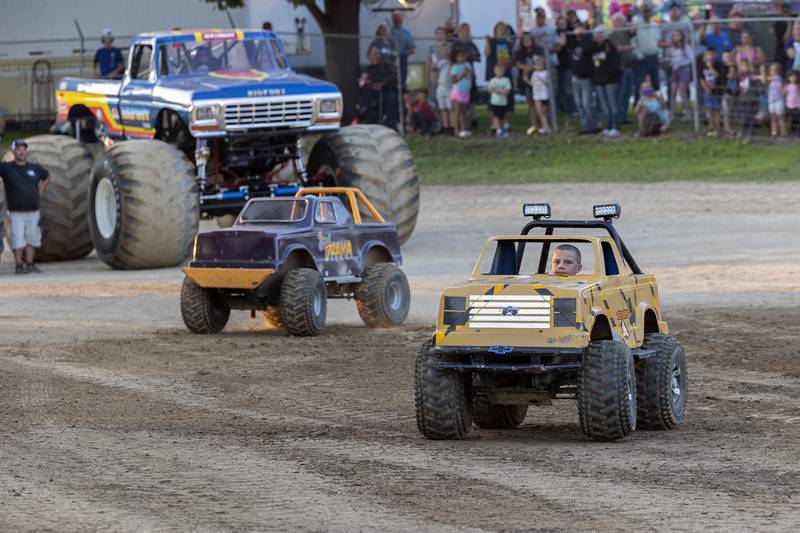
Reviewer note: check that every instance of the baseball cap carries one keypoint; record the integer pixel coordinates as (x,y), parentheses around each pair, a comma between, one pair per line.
(107,33)
(17,143)
(540,11)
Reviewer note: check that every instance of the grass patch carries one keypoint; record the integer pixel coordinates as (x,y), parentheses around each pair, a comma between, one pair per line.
(566,157)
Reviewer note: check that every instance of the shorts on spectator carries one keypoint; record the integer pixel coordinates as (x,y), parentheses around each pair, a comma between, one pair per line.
(458,95)
(681,75)
(25,229)
(443,99)
(777,108)
(711,102)
(498,111)
(726,105)
(544,101)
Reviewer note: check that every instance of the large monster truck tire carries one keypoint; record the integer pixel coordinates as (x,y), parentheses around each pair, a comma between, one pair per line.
(203,310)
(378,161)
(64,205)
(607,391)
(143,205)
(304,302)
(383,296)
(661,384)
(443,400)
(495,416)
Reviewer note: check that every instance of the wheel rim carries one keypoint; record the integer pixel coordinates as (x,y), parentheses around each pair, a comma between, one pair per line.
(317,303)
(105,208)
(394,297)
(676,392)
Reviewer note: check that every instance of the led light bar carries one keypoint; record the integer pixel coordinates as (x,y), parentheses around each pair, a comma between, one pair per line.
(607,211)
(536,211)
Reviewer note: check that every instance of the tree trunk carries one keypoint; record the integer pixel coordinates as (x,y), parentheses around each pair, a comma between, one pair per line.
(341,53)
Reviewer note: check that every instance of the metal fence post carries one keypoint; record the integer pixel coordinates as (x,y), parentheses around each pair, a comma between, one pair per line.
(695,80)
(83,49)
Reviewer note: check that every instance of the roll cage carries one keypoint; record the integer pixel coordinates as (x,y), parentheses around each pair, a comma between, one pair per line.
(550,225)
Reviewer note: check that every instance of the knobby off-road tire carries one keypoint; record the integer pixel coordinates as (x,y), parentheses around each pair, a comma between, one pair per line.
(203,310)
(607,391)
(304,302)
(661,384)
(272,314)
(383,296)
(143,205)
(378,161)
(495,416)
(443,400)
(65,204)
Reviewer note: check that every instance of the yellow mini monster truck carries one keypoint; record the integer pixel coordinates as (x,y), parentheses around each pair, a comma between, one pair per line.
(546,317)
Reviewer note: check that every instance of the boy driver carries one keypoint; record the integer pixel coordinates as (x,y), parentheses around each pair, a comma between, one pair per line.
(565,261)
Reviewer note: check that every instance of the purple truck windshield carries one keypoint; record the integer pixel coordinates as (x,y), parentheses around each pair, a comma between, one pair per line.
(274,210)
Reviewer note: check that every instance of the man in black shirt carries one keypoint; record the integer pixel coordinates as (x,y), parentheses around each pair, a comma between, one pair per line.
(24,183)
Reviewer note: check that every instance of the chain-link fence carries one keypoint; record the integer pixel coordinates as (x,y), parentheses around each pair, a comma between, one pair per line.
(746,89)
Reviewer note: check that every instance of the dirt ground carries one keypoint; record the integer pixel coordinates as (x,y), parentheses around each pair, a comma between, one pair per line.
(114,417)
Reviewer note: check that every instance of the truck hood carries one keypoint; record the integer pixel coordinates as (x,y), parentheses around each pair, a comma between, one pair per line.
(513,312)
(239,84)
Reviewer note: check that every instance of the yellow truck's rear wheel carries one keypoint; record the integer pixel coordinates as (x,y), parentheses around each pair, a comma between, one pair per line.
(495,416)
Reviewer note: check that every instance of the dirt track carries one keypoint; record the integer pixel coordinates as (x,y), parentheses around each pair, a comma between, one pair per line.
(112,416)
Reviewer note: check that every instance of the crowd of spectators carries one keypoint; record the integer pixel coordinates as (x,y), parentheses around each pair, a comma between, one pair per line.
(633,63)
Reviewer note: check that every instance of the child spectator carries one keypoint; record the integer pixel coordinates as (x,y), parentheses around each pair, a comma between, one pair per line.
(712,78)
(651,111)
(748,100)
(777,106)
(681,57)
(499,89)
(444,85)
(792,91)
(728,98)
(423,118)
(540,89)
(461,77)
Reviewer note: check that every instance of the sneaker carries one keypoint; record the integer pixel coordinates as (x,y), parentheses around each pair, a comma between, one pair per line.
(20,269)
(464,134)
(504,134)
(31,267)
(544,131)
(605,131)
(712,133)
(532,131)
(614,132)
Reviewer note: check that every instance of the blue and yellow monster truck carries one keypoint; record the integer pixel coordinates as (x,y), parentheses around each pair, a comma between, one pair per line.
(202,121)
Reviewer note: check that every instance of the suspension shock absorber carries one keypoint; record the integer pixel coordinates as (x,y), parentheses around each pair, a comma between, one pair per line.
(201,155)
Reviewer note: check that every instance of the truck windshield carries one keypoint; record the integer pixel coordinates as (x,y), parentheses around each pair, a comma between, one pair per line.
(508,257)
(274,210)
(232,56)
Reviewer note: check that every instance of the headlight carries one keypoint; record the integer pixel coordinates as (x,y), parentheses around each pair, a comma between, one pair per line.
(329,106)
(204,113)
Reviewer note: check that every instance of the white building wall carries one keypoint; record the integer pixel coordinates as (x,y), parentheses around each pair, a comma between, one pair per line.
(49,20)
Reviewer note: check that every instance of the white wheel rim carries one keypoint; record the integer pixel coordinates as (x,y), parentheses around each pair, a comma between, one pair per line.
(393,297)
(105,208)
(317,303)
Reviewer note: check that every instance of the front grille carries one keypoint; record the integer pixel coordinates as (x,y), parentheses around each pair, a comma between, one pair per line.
(509,311)
(278,113)
(234,246)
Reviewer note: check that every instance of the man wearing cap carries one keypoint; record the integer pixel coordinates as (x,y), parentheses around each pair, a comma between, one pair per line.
(24,183)
(108,59)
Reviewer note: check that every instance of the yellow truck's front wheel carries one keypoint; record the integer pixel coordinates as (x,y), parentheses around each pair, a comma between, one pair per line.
(443,400)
